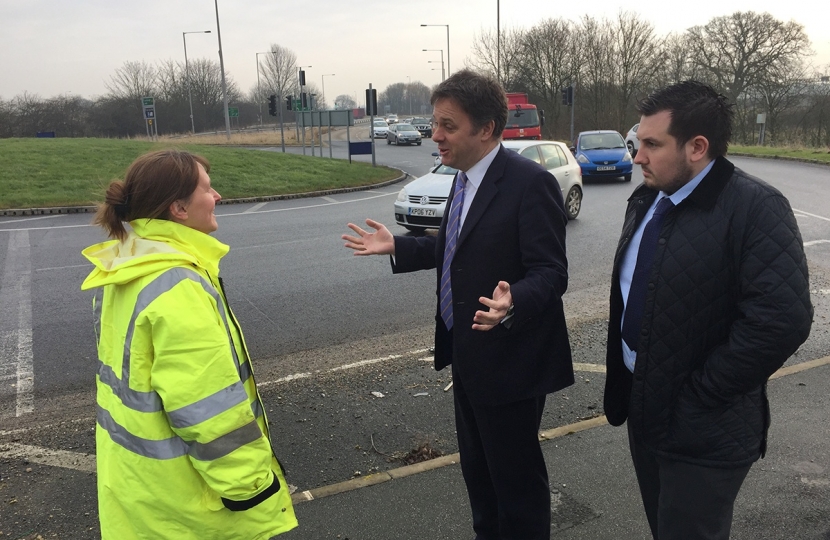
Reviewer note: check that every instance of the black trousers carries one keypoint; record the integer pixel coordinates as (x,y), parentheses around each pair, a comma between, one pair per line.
(685,501)
(503,467)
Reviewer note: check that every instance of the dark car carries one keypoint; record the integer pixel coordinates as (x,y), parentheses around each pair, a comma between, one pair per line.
(423,125)
(603,153)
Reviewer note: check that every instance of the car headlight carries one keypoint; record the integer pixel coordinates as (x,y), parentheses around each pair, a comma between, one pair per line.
(582,159)
(627,156)
(402,196)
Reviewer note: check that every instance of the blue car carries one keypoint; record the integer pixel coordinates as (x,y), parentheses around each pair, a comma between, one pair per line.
(603,153)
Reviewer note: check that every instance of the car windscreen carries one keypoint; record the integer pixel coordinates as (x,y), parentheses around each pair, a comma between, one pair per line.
(444,169)
(601,141)
(381,124)
(522,118)
(406,127)
(419,121)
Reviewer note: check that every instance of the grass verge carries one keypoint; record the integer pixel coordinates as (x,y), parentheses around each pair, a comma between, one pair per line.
(821,155)
(38,173)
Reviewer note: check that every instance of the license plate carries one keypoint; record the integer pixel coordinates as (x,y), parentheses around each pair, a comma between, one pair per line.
(426,212)
(606,168)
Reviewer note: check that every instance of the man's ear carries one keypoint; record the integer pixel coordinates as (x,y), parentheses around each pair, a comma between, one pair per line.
(488,129)
(177,210)
(698,148)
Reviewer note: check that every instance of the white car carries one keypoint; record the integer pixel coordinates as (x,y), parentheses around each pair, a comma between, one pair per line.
(380,129)
(631,140)
(420,204)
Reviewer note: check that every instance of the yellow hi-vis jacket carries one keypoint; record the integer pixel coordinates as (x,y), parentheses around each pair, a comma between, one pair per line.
(182,441)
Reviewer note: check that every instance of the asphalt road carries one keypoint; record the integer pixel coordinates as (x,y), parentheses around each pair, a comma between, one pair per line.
(326,329)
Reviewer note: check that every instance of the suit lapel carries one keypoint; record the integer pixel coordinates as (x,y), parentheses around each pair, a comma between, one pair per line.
(485,193)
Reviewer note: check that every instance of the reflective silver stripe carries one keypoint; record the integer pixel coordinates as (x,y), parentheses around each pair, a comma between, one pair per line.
(97,300)
(207,408)
(226,444)
(175,447)
(256,408)
(138,401)
(245,371)
(150,401)
(157,449)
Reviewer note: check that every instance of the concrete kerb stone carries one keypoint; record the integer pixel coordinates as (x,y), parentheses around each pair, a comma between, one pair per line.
(267,198)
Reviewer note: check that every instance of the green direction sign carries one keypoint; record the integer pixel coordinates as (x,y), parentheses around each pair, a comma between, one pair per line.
(148,102)
(233,112)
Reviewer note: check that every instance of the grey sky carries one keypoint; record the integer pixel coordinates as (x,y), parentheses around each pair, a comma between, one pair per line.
(52,47)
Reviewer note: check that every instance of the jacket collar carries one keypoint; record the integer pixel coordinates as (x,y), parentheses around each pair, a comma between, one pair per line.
(706,193)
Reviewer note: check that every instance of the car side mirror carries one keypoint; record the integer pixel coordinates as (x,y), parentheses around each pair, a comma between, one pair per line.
(435,154)
(541,117)
(572,149)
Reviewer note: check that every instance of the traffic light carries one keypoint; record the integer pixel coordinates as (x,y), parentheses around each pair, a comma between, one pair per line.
(289,103)
(304,100)
(568,95)
(371,101)
(302,78)
(272,105)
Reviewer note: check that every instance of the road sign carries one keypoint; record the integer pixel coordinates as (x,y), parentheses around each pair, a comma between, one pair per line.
(149,113)
(233,112)
(148,102)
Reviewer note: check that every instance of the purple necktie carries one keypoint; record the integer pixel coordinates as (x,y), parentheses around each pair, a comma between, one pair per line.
(453,226)
(642,271)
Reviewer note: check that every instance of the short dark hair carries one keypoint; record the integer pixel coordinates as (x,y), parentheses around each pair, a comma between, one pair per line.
(480,96)
(696,109)
(153,182)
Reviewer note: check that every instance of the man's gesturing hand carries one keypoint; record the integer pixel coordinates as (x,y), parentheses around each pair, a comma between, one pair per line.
(499,304)
(380,242)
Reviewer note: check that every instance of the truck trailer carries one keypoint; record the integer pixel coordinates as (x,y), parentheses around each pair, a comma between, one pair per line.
(524,120)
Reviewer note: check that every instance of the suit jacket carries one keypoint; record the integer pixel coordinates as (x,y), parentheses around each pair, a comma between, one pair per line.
(514,231)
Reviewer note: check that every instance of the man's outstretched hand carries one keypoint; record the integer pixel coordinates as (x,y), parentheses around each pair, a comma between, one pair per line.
(380,242)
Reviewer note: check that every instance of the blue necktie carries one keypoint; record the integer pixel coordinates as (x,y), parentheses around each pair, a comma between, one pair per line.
(642,271)
(453,226)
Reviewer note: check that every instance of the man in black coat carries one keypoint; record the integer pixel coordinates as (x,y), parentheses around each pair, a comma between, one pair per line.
(709,297)
(502,271)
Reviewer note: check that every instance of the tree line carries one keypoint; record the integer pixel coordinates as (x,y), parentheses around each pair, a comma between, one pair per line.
(760,63)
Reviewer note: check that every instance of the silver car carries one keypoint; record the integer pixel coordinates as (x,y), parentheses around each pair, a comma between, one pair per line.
(420,204)
(558,159)
(403,134)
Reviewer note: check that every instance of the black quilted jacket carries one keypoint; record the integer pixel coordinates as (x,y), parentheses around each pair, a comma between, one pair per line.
(727,304)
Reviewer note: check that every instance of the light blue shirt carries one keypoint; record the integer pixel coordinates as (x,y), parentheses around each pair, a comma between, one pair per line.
(630,259)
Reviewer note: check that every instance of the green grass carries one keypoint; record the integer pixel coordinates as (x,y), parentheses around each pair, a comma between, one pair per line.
(67,172)
(792,152)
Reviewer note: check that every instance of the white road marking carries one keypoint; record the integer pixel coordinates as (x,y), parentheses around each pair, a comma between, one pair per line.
(254,208)
(63,267)
(811,215)
(33,218)
(16,320)
(248,213)
(816,242)
(329,199)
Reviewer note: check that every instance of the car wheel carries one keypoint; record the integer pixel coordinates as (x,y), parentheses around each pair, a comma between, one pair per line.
(627,177)
(631,149)
(388,141)
(573,202)
(418,143)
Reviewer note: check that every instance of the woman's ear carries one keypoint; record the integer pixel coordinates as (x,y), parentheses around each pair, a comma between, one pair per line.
(178,212)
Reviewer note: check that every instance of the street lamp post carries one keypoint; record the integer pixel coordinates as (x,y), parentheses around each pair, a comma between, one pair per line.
(409,93)
(323,77)
(448,43)
(222,69)
(187,76)
(442,61)
(258,89)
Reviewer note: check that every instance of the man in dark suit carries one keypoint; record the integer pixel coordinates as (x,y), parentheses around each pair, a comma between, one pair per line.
(502,271)
(709,297)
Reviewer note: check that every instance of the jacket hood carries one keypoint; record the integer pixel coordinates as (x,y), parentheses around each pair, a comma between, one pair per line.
(153,245)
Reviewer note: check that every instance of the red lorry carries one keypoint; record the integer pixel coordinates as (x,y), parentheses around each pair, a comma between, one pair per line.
(524,120)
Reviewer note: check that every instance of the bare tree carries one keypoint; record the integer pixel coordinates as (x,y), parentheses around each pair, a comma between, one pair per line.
(133,80)
(599,71)
(278,71)
(639,60)
(738,50)
(498,58)
(394,98)
(344,101)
